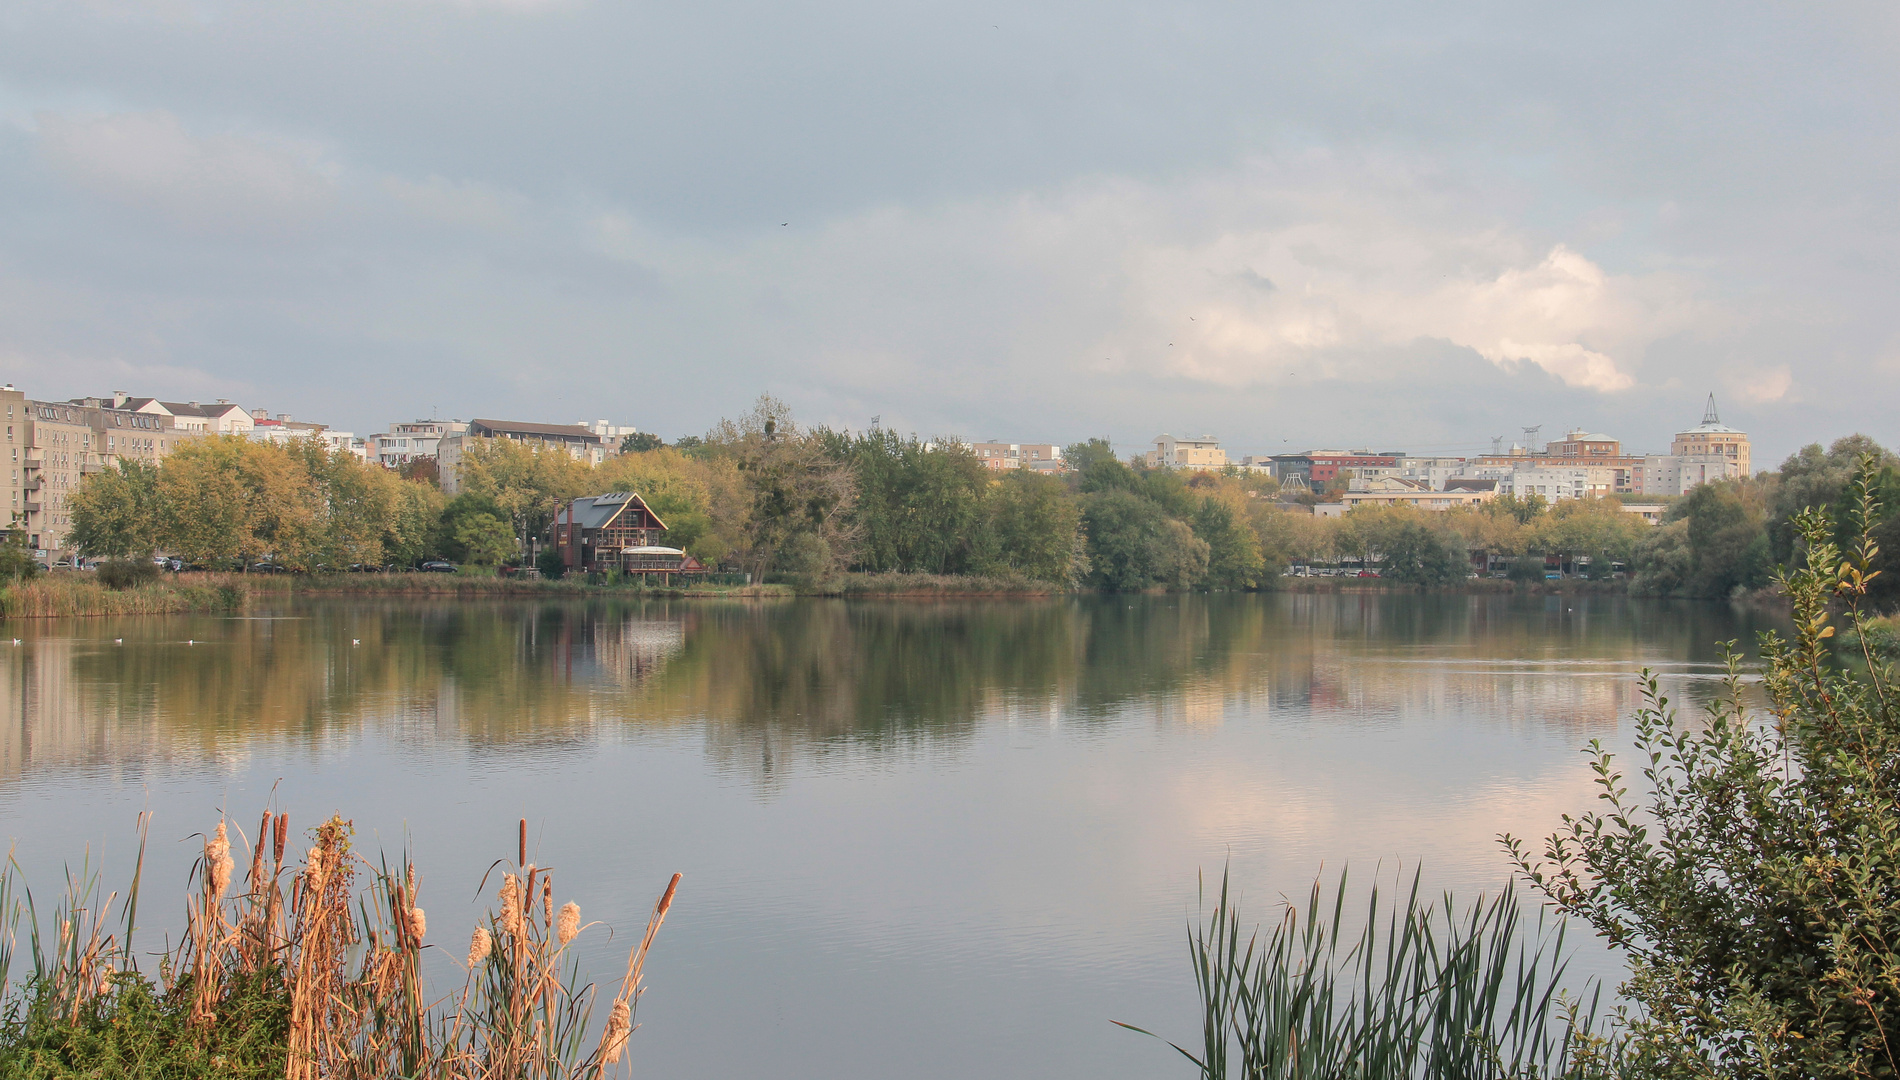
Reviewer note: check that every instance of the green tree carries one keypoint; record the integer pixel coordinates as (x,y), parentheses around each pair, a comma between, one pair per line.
(16,559)
(451,526)
(116,512)
(1713,541)
(1420,555)
(640,442)
(1079,456)
(799,493)
(485,539)
(1750,878)
(1035,528)
(1233,549)
(918,506)
(410,534)
(1133,544)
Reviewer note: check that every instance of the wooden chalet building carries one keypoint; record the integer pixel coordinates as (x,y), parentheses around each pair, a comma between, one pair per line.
(617,531)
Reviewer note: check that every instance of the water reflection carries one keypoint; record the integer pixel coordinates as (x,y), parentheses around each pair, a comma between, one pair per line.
(770,683)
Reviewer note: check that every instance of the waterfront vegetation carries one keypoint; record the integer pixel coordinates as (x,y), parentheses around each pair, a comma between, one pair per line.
(1748,883)
(303,973)
(760,495)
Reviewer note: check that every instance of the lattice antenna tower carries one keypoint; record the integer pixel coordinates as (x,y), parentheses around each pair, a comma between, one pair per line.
(1530,438)
(1709,415)
(1497,445)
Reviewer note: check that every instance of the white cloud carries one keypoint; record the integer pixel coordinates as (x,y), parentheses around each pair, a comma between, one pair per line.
(149,161)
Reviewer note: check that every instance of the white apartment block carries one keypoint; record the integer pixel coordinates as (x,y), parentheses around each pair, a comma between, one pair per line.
(1552,482)
(1678,474)
(1433,472)
(404,443)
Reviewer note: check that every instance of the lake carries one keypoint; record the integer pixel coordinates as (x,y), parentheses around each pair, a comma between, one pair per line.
(943,839)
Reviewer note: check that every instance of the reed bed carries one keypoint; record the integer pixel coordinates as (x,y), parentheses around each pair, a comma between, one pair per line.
(302,974)
(73,594)
(1422,991)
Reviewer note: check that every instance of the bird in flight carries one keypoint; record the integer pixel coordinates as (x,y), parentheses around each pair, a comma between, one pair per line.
(784,223)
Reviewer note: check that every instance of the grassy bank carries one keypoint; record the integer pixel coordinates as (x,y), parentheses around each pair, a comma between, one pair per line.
(300,972)
(64,595)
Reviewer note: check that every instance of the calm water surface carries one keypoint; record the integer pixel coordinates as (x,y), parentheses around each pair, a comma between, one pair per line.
(920,840)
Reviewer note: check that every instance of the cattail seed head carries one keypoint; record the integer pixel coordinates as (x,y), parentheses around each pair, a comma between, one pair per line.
(570,922)
(511,905)
(218,863)
(613,1041)
(418,925)
(478,946)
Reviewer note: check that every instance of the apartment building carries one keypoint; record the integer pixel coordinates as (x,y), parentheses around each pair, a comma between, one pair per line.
(1004,456)
(404,443)
(1315,469)
(53,445)
(578,440)
(1176,453)
(222,418)
(1595,449)
(1394,491)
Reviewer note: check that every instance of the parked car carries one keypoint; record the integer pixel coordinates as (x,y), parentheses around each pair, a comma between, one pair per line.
(437,566)
(1553,575)
(1368,573)
(365,568)
(269,568)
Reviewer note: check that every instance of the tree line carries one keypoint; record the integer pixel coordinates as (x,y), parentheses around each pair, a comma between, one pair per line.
(763,494)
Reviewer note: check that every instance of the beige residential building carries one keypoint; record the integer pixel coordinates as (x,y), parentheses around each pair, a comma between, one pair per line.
(1175,453)
(999,455)
(1712,438)
(53,445)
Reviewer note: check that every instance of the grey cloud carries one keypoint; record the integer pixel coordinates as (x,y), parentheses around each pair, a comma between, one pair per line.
(998,214)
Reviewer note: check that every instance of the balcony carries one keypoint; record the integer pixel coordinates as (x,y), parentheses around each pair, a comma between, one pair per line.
(32,483)
(89,465)
(32,507)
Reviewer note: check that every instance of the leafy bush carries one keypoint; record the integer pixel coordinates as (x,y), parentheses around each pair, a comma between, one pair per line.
(551,563)
(1526,569)
(16,560)
(1752,884)
(127,573)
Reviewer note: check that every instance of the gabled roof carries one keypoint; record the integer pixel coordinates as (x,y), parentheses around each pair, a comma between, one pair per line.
(599,511)
(1470,484)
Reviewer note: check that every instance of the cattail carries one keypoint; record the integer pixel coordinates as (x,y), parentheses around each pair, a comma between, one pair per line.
(570,923)
(418,925)
(478,946)
(614,1039)
(278,838)
(511,905)
(218,863)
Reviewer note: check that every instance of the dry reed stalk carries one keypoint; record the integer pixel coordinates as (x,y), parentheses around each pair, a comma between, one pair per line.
(620,1020)
(322,935)
(569,923)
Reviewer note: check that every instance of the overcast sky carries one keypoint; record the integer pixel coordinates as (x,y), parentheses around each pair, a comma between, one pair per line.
(1413,226)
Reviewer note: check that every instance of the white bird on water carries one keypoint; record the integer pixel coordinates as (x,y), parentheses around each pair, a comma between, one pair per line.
(16,641)
(188,641)
(118,641)
(356,641)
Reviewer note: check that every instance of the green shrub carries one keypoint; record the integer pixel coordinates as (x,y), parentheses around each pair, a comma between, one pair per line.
(551,563)
(1751,879)
(1526,569)
(127,573)
(16,559)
